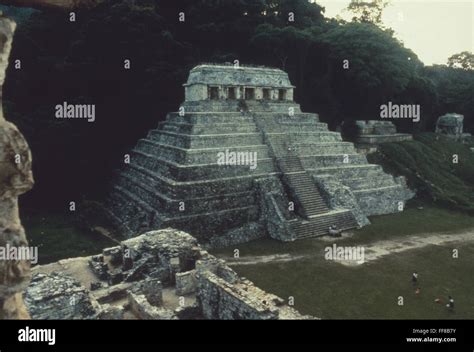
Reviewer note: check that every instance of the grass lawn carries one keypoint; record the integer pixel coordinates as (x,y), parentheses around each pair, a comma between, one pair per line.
(370,291)
(411,221)
(58,238)
(330,290)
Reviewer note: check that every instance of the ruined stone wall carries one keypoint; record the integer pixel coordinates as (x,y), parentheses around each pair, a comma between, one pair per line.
(15,179)
(239,299)
(196,285)
(221,300)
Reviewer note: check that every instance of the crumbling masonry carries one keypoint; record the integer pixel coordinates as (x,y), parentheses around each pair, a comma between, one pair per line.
(15,179)
(162,275)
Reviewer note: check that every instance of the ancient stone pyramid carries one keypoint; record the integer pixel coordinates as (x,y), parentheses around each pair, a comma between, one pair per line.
(196,171)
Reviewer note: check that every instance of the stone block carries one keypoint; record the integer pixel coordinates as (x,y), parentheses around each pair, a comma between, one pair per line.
(109,312)
(142,309)
(58,296)
(451,125)
(153,291)
(114,254)
(186,282)
(115,276)
(100,269)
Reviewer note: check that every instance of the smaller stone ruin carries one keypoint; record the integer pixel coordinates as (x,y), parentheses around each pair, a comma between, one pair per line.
(451,125)
(373,132)
(160,275)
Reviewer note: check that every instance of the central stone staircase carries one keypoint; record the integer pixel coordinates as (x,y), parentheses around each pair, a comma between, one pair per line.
(315,216)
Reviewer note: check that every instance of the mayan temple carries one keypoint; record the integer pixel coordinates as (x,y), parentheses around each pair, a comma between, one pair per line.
(240,160)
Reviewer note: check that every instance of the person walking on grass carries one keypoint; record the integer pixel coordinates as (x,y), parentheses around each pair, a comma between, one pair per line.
(414,278)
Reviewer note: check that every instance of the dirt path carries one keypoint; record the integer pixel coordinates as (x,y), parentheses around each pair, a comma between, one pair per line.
(372,251)
(262,259)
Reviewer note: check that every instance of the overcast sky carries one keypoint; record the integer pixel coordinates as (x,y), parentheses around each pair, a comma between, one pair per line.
(434,30)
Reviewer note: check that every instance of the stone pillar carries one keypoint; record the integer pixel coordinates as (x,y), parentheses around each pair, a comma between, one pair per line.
(289,94)
(222,92)
(15,179)
(239,92)
(274,94)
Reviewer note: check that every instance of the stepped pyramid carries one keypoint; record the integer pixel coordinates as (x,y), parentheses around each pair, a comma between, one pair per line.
(240,160)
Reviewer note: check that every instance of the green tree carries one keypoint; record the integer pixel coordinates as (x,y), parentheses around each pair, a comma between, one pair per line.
(367,11)
(367,66)
(464,60)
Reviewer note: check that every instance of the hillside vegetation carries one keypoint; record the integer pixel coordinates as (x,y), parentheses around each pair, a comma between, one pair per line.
(427,163)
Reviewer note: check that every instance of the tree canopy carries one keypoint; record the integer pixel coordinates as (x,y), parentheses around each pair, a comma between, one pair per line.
(464,59)
(341,70)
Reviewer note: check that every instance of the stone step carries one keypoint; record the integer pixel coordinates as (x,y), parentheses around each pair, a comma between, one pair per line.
(351,171)
(296,128)
(182,173)
(327,148)
(307,193)
(134,212)
(313,231)
(234,105)
(214,128)
(304,137)
(291,168)
(217,223)
(311,207)
(166,215)
(192,189)
(269,118)
(291,165)
(195,155)
(330,160)
(309,197)
(319,225)
(376,180)
(208,117)
(205,141)
(173,207)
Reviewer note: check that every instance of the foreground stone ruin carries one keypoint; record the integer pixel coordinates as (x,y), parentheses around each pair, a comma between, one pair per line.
(286,174)
(15,172)
(162,274)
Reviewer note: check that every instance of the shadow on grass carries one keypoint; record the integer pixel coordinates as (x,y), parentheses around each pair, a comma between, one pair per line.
(58,237)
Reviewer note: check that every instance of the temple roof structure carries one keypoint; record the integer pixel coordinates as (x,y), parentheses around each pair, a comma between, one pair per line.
(238,75)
